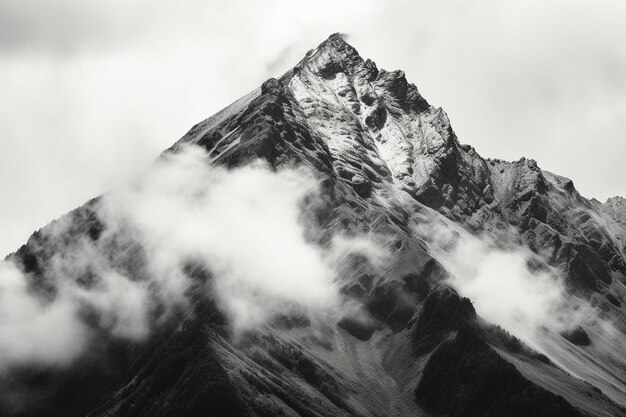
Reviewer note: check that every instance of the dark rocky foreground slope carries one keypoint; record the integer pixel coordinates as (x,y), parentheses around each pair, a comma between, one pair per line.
(390,164)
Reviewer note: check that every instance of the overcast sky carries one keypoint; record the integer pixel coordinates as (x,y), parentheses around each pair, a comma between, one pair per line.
(92,91)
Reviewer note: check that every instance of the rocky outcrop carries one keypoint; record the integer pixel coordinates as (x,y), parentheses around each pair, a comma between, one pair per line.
(443,311)
(449,384)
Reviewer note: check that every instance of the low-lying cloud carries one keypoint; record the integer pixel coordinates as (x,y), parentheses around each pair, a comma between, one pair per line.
(246,228)
(244,225)
(249,233)
(507,284)
(31,330)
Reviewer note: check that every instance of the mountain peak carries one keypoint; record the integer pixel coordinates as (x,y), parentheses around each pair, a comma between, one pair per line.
(334,56)
(337,43)
(337,38)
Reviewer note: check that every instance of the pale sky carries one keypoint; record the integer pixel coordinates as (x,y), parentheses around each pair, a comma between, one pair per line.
(92,91)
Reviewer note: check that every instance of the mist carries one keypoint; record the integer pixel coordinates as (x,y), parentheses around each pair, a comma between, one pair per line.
(248,229)
(244,225)
(508,285)
(31,331)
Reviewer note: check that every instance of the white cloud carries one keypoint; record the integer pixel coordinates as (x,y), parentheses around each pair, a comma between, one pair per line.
(502,283)
(32,331)
(243,225)
(248,227)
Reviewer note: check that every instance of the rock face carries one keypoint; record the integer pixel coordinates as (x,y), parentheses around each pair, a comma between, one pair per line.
(448,384)
(389,162)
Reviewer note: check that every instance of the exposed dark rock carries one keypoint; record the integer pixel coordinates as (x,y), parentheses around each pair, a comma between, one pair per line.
(442,312)
(358,328)
(465,377)
(613,300)
(577,336)
(419,282)
(390,304)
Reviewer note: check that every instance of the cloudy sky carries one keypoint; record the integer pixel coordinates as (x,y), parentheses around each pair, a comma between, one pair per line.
(91,92)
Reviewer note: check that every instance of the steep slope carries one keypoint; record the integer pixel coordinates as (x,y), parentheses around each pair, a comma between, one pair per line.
(615,208)
(390,165)
(558,223)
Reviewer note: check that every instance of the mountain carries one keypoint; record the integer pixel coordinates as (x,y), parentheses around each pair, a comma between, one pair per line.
(414,341)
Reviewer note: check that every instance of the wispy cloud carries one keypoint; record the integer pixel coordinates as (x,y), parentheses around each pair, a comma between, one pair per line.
(248,227)
(508,285)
